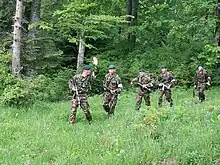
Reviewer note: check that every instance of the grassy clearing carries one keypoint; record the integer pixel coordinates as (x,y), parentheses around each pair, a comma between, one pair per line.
(188,133)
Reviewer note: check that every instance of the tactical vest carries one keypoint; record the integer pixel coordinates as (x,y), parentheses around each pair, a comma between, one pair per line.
(201,76)
(166,77)
(143,79)
(82,83)
(112,82)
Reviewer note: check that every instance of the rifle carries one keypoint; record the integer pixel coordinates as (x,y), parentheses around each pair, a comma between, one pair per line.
(144,87)
(77,93)
(193,92)
(163,86)
(112,100)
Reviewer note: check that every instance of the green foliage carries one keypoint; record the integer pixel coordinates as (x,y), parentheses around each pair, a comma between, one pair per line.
(19,92)
(51,89)
(179,34)
(78,18)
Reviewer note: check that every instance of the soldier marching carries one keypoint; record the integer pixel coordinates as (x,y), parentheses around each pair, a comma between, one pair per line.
(112,85)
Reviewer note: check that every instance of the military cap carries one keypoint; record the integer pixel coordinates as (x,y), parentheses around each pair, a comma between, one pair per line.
(111,67)
(87,67)
(163,67)
(201,65)
(142,70)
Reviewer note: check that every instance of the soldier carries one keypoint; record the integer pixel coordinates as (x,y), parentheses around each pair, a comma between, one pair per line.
(80,84)
(166,82)
(112,87)
(200,81)
(145,84)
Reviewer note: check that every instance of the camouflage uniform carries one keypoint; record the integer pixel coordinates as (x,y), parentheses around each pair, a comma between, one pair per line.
(200,81)
(145,83)
(80,97)
(112,87)
(166,81)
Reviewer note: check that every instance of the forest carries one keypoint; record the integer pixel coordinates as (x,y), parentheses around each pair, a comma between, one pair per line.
(56,38)
(44,43)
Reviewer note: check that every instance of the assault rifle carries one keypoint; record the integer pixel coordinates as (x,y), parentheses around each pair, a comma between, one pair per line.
(145,87)
(77,93)
(163,86)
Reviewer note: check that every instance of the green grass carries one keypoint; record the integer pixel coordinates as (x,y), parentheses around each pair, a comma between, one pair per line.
(188,133)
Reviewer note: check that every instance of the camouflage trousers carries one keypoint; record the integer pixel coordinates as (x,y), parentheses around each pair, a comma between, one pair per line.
(145,95)
(82,101)
(200,88)
(109,102)
(168,95)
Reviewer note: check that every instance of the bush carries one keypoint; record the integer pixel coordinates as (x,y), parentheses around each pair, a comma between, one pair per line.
(19,92)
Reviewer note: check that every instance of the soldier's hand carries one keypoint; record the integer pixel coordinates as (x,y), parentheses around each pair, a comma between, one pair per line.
(144,86)
(208,83)
(195,86)
(95,61)
(131,83)
(114,91)
(73,88)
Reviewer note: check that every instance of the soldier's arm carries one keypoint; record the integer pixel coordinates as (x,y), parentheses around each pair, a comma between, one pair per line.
(159,78)
(94,72)
(172,79)
(134,80)
(208,78)
(72,83)
(120,86)
(195,80)
(105,84)
(150,82)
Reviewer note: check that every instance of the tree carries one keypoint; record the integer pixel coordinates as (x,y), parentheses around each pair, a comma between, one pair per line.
(132,10)
(16,65)
(35,17)
(217,28)
(80,22)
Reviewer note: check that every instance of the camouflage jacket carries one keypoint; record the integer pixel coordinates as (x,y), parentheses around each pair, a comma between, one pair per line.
(82,84)
(201,77)
(166,78)
(143,82)
(112,82)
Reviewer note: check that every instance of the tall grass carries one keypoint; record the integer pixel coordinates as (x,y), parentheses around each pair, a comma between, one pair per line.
(188,133)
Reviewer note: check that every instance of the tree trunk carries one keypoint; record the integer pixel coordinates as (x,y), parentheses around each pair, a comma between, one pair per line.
(129,11)
(217,28)
(33,44)
(35,17)
(81,52)
(132,9)
(134,20)
(16,65)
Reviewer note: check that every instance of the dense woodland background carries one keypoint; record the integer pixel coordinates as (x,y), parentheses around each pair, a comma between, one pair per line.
(58,37)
